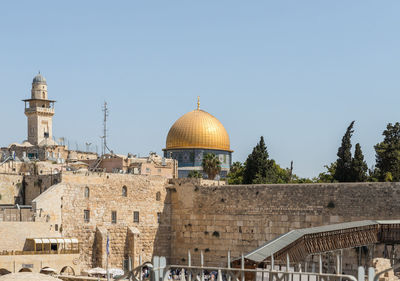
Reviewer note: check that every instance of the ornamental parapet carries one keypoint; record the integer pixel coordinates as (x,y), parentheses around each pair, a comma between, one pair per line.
(39,110)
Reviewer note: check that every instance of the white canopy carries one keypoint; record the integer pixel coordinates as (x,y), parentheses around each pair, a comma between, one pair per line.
(55,240)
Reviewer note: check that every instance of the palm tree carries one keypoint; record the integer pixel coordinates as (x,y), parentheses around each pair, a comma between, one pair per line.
(211,165)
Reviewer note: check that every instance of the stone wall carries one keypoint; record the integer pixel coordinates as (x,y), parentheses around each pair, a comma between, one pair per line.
(10,188)
(14,263)
(240,218)
(11,213)
(37,184)
(13,234)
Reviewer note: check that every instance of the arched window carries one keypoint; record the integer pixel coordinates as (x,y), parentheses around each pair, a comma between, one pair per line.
(158,196)
(87,192)
(124,191)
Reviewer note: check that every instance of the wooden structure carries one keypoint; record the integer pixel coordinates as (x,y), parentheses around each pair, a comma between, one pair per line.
(296,245)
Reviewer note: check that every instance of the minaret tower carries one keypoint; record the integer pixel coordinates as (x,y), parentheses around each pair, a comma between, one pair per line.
(39,110)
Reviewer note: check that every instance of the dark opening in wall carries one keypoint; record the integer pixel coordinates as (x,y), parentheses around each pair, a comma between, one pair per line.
(215,234)
(331,205)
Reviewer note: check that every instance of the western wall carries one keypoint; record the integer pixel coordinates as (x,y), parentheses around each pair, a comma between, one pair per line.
(240,218)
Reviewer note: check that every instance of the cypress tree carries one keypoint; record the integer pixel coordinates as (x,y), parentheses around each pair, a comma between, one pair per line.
(257,164)
(388,154)
(343,166)
(358,166)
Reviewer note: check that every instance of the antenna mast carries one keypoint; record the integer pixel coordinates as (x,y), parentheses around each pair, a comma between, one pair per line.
(104,137)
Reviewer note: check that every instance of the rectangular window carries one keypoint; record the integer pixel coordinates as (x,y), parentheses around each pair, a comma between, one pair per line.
(113,216)
(135,216)
(86,215)
(126,264)
(158,217)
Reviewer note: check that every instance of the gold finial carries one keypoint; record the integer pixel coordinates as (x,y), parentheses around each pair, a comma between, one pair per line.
(198,102)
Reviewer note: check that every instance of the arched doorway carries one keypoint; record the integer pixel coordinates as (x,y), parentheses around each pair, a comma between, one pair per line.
(67,270)
(4,271)
(48,271)
(24,269)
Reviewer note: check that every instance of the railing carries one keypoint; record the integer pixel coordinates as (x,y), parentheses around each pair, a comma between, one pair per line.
(39,109)
(15,253)
(163,272)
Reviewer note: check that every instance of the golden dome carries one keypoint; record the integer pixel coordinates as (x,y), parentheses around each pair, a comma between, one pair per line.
(198,129)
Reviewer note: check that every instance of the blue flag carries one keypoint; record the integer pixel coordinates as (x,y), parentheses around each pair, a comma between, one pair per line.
(108,245)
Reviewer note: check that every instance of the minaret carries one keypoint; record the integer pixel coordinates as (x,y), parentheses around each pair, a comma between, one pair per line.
(39,110)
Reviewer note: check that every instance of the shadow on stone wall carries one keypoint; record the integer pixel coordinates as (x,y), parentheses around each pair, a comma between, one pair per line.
(162,240)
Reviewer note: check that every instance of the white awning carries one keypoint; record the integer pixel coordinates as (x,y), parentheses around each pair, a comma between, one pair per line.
(55,240)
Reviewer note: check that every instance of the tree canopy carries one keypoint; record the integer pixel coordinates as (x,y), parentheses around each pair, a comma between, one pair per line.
(211,165)
(343,163)
(257,164)
(195,174)
(235,175)
(359,167)
(388,154)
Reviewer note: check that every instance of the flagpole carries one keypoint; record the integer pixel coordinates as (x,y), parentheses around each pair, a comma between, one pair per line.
(108,251)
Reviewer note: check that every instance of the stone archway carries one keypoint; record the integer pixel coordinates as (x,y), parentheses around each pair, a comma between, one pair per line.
(4,271)
(24,269)
(67,270)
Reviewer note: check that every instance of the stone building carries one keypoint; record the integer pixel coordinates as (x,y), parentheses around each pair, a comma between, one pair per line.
(131,164)
(194,135)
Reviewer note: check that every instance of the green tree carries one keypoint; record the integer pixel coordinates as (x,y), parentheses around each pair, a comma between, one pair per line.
(388,154)
(359,167)
(327,176)
(257,164)
(259,169)
(195,174)
(343,163)
(235,175)
(211,165)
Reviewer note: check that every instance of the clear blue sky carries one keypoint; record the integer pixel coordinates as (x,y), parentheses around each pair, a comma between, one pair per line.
(296,72)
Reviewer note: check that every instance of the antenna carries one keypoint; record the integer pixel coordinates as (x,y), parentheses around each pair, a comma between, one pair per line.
(104,137)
